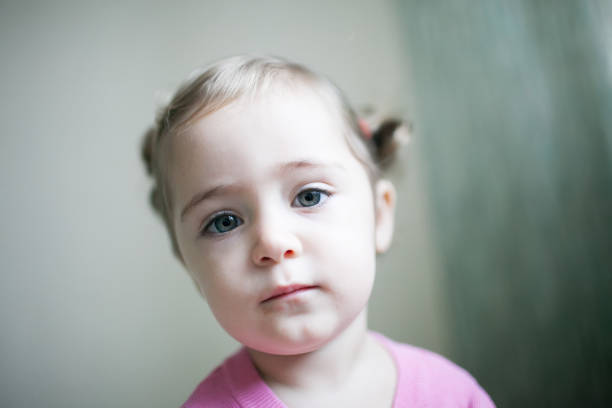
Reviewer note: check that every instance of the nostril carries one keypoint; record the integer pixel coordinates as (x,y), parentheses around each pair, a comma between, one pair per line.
(271,256)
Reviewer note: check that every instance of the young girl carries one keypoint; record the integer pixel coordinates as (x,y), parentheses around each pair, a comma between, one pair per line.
(270,188)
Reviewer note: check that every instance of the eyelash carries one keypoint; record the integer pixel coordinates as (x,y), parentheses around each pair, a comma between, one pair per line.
(321,197)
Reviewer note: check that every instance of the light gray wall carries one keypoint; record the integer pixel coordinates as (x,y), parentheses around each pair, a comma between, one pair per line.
(94,311)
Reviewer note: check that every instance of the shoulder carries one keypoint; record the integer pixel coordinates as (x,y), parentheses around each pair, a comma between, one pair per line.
(426,378)
(215,390)
(234,384)
(428,365)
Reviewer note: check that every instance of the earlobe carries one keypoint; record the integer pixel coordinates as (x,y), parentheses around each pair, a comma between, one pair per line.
(385,215)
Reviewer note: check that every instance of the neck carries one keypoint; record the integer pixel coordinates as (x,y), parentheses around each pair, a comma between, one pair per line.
(328,365)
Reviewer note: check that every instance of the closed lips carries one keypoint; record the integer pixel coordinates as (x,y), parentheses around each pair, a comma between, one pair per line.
(287,290)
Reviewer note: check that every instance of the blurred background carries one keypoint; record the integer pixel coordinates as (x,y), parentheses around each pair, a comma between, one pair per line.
(503,253)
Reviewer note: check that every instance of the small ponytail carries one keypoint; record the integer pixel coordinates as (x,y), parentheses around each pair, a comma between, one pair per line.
(148,143)
(386,135)
(156,196)
(148,157)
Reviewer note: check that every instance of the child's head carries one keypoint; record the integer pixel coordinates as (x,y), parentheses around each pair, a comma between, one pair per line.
(270,189)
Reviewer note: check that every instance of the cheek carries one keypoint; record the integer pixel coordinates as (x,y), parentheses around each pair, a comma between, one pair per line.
(354,246)
(214,278)
(354,219)
(347,242)
(213,274)
(225,296)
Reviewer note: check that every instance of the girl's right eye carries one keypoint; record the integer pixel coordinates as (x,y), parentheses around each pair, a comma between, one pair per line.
(222,223)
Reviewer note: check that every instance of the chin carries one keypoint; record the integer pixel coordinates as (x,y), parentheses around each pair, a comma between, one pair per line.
(285,349)
(291,341)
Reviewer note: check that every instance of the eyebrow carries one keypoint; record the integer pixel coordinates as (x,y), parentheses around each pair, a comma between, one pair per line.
(226,188)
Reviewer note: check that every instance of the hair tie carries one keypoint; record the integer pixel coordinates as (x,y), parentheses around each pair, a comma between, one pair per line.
(365,128)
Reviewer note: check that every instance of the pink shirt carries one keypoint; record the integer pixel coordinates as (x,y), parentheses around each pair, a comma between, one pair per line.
(425,379)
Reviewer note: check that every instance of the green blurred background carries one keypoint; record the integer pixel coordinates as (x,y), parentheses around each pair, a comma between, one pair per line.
(502,259)
(514,109)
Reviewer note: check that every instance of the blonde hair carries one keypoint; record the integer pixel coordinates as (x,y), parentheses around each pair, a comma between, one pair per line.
(228,80)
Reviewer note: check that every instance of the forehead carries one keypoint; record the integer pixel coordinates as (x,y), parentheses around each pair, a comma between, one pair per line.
(279,124)
(293,114)
(246,138)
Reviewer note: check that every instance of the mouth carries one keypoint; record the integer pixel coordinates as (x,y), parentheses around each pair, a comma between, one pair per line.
(285,292)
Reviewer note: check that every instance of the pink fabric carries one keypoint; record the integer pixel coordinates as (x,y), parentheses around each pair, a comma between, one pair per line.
(425,379)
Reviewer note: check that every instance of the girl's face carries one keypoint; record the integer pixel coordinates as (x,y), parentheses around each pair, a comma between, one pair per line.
(275,220)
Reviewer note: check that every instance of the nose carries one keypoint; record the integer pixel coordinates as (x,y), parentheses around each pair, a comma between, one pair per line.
(273,244)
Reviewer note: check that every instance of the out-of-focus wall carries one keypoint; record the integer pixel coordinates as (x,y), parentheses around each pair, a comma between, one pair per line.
(514,108)
(94,311)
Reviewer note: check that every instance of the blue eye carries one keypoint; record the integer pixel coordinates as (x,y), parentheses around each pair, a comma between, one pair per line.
(310,198)
(222,223)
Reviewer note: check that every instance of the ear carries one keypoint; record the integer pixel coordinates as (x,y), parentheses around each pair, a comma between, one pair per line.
(385,214)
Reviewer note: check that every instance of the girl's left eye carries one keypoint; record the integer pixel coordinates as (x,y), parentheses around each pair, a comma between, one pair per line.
(310,198)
